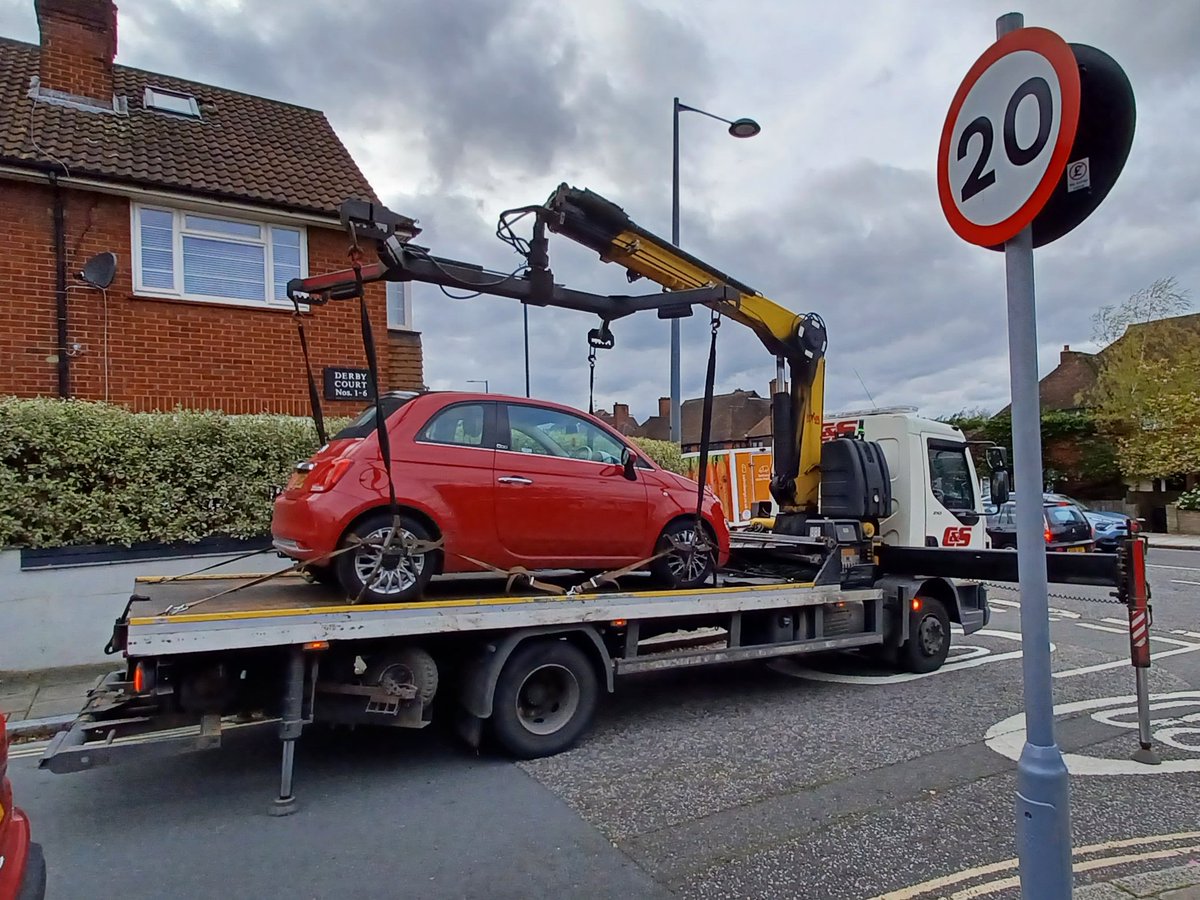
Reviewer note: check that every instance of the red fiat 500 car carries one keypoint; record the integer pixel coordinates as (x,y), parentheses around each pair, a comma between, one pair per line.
(505,481)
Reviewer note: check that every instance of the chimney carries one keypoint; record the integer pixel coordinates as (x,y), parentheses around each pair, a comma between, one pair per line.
(1066,351)
(774,387)
(664,407)
(620,416)
(78,45)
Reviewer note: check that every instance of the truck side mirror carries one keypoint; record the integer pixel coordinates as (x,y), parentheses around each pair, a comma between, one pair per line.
(997,458)
(627,461)
(999,485)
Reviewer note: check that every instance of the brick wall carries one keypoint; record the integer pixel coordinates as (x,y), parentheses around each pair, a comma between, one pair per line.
(405,368)
(165,353)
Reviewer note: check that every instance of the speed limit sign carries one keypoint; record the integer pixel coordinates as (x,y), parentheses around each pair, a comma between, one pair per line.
(1008,136)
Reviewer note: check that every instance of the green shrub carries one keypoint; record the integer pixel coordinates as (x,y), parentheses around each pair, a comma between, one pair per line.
(79,472)
(665,453)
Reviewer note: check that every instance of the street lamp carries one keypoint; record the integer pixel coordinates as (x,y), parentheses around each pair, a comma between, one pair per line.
(739,128)
(482,381)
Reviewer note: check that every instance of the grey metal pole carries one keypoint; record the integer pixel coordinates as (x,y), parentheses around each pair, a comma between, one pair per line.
(1043,789)
(525,311)
(676,430)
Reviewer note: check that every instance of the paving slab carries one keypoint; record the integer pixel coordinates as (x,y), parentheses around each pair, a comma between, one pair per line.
(1151,884)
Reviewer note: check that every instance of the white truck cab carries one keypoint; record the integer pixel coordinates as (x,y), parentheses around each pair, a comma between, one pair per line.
(936,498)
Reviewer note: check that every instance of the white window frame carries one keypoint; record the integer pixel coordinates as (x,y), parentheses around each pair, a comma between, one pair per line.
(405,288)
(150,101)
(177,232)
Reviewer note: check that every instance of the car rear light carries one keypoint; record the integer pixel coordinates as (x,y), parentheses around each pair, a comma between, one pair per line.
(1048,536)
(326,475)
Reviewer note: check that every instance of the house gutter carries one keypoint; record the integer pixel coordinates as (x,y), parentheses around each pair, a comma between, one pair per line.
(60,289)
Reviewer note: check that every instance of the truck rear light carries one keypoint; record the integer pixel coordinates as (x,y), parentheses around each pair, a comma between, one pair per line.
(143,679)
(916,604)
(1047,535)
(326,475)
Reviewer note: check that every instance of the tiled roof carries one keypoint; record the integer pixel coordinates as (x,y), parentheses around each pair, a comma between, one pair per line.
(242,147)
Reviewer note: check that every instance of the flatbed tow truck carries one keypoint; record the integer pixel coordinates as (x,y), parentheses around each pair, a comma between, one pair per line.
(525,661)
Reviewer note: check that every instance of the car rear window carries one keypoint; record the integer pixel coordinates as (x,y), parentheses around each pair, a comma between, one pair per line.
(1064,515)
(364,423)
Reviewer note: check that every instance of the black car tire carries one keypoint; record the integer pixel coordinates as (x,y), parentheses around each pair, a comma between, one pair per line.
(677,570)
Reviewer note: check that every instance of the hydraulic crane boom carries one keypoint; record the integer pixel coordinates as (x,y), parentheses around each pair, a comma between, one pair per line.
(800,340)
(589,219)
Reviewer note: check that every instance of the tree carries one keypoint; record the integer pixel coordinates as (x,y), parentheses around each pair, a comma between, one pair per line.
(1160,300)
(1147,393)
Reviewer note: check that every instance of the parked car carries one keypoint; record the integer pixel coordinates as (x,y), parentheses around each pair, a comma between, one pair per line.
(22,866)
(1065,528)
(1110,527)
(505,481)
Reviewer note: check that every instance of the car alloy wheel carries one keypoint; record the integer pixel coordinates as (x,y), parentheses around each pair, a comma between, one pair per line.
(391,571)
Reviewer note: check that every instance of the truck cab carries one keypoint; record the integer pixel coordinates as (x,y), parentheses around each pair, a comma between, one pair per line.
(936,497)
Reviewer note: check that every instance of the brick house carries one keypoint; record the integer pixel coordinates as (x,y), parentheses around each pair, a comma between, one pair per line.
(211,200)
(734,418)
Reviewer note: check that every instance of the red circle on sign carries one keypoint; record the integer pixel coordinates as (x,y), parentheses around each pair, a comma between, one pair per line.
(1058,53)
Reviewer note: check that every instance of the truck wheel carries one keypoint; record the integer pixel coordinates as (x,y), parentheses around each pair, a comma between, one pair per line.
(928,641)
(400,576)
(681,568)
(544,700)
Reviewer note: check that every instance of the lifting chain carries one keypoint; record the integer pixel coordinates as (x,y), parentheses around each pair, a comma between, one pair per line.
(1057,596)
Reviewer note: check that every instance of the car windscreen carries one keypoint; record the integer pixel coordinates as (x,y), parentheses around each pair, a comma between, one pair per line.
(364,423)
(1064,515)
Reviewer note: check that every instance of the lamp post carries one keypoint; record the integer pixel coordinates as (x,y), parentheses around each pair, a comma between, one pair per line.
(482,381)
(739,128)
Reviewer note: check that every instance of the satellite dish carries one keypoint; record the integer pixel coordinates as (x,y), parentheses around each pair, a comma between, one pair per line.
(100,270)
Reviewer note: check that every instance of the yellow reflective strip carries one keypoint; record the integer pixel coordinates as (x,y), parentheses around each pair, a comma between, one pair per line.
(234,615)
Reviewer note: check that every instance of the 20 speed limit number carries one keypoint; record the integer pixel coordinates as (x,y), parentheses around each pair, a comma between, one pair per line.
(1008,136)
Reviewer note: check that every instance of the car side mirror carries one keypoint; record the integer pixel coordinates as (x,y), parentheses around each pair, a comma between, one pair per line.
(999,486)
(627,461)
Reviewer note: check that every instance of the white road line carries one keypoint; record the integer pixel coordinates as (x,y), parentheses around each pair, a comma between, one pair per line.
(1101,667)
(1177,581)
(1003,602)
(1194,634)
(1063,613)
(1153,637)
(1176,568)
(1112,621)
(927,887)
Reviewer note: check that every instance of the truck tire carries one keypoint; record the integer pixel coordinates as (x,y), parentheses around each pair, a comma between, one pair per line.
(400,578)
(928,641)
(408,666)
(681,570)
(545,698)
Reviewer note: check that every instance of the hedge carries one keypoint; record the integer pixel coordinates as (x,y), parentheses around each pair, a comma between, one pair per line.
(80,472)
(665,453)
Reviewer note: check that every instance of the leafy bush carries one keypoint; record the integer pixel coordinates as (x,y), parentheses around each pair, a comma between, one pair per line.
(665,453)
(1190,499)
(79,472)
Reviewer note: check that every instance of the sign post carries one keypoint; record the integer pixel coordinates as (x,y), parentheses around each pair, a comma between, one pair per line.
(1016,169)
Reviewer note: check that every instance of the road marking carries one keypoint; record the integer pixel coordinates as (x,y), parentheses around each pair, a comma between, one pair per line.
(926,887)
(1153,637)
(1176,568)
(1064,613)
(1101,667)
(1008,737)
(1194,634)
(974,656)
(1000,602)
(1177,581)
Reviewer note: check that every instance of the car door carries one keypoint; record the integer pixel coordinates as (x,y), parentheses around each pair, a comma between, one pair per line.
(450,474)
(561,496)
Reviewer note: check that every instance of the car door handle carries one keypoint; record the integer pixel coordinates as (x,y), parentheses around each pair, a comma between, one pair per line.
(514,479)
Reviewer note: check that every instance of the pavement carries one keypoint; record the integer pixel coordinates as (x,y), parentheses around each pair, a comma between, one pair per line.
(818,778)
(43,702)
(1175,541)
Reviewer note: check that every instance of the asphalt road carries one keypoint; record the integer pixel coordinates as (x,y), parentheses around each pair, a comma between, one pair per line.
(827,779)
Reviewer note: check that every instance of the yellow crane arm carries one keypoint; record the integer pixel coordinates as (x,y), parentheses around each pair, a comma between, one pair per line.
(595,222)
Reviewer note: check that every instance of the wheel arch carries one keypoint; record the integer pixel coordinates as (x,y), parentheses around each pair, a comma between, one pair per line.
(478,685)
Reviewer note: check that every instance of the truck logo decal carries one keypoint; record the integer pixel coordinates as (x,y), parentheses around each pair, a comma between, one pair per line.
(957,536)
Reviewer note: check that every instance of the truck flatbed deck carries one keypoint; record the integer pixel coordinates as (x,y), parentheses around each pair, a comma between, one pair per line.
(208,613)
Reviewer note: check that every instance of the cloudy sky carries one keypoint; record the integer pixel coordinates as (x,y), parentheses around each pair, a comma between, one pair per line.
(458,109)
